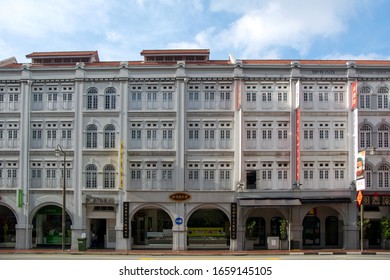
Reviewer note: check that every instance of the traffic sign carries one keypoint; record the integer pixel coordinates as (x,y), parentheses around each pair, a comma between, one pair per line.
(359,198)
(179,221)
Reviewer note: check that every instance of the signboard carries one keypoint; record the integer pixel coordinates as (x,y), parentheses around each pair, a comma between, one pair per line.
(126,219)
(180,196)
(361,184)
(19,194)
(206,232)
(376,200)
(233,219)
(354,101)
(89,199)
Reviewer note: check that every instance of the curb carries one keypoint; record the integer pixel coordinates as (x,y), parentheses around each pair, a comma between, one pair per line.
(193,253)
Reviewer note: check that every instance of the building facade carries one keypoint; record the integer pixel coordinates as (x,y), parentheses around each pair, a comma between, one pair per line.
(181,152)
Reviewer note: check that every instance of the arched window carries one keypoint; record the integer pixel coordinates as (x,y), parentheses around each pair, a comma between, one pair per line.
(368,176)
(109,176)
(383,136)
(110,98)
(109,136)
(383,176)
(365,97)
(365,136)
(91,141)
(383,98)
(92,98)
(91,176)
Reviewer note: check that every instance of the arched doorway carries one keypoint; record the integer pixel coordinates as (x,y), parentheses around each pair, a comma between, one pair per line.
(208,229)
(47,227)
(311,231)
(152,228)
(7,228)
(255,231)
(331,231)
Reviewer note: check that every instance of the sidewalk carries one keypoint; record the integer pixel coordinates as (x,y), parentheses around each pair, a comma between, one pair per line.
(195,252)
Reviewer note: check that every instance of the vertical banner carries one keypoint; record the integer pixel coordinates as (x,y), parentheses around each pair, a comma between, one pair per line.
(298,144)
(238,95)
(19,194)
(297,132)
(297,93)
(360,163)
(233,219)
(126,219)
(354,100)
(121,151)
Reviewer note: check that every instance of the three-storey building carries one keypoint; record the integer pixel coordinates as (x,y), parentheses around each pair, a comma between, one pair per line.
(179,151)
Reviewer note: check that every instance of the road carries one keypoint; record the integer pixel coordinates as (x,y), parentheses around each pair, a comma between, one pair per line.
(76,256)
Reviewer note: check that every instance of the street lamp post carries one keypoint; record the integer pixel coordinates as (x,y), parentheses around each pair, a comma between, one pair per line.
(371,150)
(59,150)
(361,227)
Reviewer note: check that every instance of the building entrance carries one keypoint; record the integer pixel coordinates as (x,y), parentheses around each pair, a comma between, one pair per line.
(99,228)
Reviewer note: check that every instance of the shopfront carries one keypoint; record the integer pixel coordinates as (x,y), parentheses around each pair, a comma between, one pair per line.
(152,228)
(47,227)
(7,227)
(208,229)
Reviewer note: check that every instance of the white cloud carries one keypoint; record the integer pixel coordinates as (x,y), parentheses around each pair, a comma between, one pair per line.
(113,36)
(348,56)
(36,19)
(265,27)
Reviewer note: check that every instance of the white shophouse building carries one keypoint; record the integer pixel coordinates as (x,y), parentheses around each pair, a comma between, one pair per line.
(180,152)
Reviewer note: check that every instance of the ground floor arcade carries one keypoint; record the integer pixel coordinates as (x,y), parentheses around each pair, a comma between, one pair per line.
(187,226)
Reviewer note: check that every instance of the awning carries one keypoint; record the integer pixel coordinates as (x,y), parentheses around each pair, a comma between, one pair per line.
(326,200)
(269,203)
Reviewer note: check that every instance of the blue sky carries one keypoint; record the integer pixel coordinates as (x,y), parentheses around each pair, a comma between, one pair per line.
(121,29)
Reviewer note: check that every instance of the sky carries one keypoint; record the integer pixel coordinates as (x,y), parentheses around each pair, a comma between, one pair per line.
(248,29)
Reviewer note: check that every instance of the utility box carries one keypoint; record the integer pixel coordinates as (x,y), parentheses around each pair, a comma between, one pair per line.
(273,243)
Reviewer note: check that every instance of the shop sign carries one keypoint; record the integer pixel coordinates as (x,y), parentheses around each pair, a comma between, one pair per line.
(50,210)
(126,219)
(206,232)
(99,200)
(180,196)
(233,218)
(20,198)
(376,200)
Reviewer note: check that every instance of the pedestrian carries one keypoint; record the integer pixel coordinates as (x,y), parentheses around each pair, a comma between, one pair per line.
(94,240)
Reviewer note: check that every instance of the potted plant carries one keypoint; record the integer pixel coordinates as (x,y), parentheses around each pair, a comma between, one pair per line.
(283,234)
(250,238)
(366,231)
(385,232)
